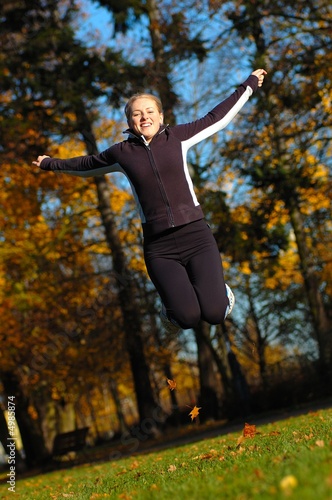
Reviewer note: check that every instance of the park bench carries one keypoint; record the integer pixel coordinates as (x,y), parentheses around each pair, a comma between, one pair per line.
(69,441)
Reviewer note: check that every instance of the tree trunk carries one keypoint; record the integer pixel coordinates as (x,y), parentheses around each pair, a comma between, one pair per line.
(174,401)
(48,417)
(221,361)
(260,344)
(321,322)
(161,75)
(126,286)
(4,433)
(66,417)
(208,398)
(240,402)
(30,430)
(116,398)
(175,410)
(6,440)
(130,310)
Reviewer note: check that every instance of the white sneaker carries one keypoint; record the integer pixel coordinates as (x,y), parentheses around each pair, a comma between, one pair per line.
(170,325)
(231,300)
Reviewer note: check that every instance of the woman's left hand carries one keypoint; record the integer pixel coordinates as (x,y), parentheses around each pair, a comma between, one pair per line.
(260,73)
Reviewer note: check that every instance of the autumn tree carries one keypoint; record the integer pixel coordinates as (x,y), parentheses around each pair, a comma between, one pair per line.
(167,51)
(287,157)
(31,90)
(276,232)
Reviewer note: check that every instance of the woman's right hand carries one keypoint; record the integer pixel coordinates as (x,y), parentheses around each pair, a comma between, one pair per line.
(39,160)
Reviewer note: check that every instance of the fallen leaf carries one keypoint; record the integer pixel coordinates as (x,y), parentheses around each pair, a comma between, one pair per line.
(123,471)
(259,473)
(96,496)
(206,456)
(194,412)
(171,384)
(320,443)
(171,468)
(288,483)
(274,433)
(240,440)
(249,431)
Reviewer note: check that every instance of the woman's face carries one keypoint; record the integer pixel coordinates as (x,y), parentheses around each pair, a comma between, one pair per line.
(145,118)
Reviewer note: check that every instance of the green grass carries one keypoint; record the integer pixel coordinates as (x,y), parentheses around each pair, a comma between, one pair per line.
(287,459)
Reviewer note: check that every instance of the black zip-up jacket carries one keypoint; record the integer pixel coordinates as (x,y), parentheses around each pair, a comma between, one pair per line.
(158,171)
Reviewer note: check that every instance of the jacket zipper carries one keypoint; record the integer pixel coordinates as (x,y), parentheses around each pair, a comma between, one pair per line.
(160,183)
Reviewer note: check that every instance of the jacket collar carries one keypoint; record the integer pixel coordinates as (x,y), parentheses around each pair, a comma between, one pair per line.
(132,135)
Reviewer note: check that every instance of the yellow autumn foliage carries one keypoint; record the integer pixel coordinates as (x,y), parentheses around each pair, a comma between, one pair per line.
(244,268)
(278,216)
(288,270)
(241,214)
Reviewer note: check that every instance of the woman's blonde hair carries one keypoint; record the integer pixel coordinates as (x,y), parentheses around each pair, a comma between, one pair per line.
(132,99)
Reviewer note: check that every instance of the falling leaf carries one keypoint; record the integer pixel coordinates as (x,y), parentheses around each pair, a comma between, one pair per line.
(171,384)
(194,412)
(249,431)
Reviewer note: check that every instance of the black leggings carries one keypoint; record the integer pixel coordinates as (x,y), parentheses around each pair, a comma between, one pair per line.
(185,266)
